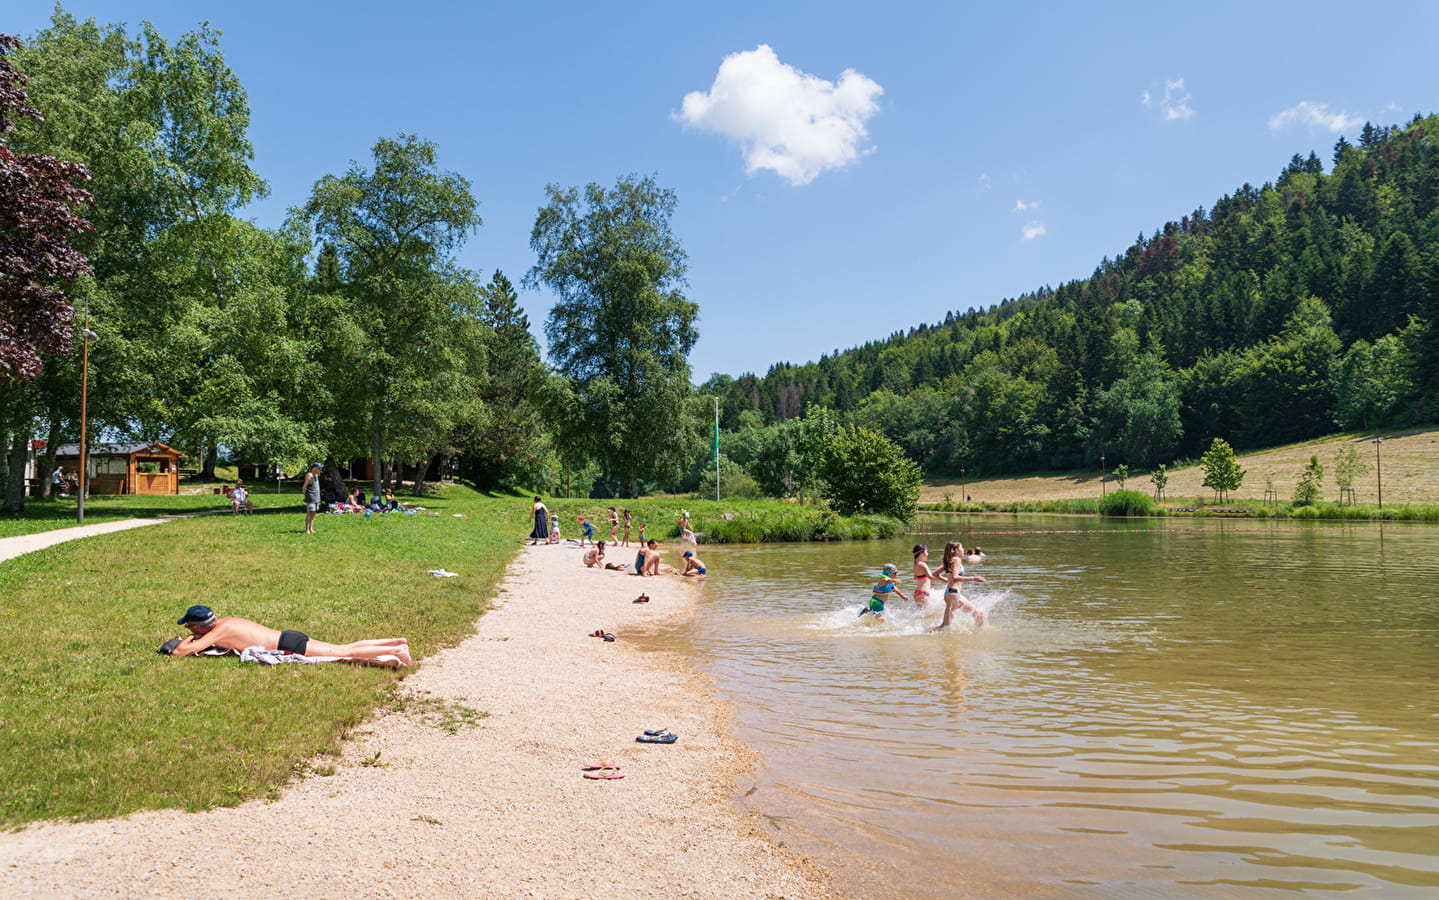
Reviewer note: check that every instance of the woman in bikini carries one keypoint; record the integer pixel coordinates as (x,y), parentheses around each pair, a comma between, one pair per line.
(922,575)
(952,571)
(627,529)
(614,526)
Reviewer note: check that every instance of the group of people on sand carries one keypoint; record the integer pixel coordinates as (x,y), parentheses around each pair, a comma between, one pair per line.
(647,559)
(951,572)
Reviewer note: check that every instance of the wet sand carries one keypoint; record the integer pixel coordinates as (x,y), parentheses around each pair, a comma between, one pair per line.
(496,810)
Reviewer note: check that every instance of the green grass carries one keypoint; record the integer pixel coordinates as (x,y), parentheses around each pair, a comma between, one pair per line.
(94,723)
(749,522)
(47,515)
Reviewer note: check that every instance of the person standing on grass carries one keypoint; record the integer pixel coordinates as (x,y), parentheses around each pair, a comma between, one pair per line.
(614,526)
(542,523)
(310,487)
(627,529)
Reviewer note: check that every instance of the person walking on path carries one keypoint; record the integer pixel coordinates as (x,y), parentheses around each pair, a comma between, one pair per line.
(311,489)
(542,523)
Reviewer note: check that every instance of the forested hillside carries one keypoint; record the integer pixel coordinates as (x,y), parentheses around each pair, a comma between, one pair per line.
(1279,314)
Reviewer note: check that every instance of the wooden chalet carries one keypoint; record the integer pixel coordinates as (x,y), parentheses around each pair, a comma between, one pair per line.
(136,468)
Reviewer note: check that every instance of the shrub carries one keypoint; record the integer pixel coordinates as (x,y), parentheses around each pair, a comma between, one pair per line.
(866,473)
(1127,503)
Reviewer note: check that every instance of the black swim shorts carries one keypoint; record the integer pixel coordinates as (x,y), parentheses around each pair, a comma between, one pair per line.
(293,642)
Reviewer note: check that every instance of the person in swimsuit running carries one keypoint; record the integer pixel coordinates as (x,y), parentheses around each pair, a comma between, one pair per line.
(888,586)
(952,571)
(922,575)
(231,633)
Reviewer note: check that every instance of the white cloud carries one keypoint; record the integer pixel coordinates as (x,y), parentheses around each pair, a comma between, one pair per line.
(1033,230)
(1312,114)
(985,181)
(795,124)
(1175,104)
(1021,206)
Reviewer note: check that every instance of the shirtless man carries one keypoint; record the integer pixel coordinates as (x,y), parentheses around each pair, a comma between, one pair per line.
(231,633)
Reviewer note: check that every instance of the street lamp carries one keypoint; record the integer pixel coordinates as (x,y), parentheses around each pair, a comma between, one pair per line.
(1379,472)
(1102,475)
(962,495)
(84,389)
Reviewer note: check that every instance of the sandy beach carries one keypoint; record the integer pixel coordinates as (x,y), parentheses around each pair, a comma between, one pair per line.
(496,810)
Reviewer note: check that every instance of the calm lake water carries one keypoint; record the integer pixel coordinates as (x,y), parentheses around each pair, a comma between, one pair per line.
(1231,708)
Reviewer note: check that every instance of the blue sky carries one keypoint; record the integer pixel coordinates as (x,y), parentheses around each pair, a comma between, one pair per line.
(972,152)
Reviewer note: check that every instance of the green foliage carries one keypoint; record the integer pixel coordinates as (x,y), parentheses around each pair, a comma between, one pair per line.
(1222,472)
(621,330)
(1160,479)
(1127,503)
(1306,492)
(864,472)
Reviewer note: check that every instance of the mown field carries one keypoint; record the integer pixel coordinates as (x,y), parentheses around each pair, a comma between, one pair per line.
(1410,469)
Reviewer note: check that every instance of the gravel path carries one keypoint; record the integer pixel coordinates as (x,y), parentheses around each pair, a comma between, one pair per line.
(495,810)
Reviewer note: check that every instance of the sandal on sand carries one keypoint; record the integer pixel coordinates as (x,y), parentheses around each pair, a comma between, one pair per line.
(600,764)
(607,636)
(642,598)
(654,731)
(664,737)
(606,773)
(598,632)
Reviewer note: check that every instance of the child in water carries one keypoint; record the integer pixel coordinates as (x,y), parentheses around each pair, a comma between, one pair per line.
(922,575)
(952,571)
(886,587)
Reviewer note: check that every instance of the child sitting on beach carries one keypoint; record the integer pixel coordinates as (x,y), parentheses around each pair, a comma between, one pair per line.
(693,565)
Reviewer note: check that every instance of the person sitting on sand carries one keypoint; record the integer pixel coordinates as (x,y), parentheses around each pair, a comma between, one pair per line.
(231,633)
(652,564)
(693,565)
(595,556)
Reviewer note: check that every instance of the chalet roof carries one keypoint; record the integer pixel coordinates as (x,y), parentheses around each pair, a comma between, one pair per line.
(129,449)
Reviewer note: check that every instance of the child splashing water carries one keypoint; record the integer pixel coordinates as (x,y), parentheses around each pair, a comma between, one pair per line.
(888,586)
(952,571)
(922,575)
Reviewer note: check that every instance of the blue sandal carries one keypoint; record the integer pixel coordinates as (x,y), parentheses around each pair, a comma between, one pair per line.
(658,737)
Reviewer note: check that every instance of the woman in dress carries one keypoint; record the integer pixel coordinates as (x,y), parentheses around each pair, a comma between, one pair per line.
(542,523)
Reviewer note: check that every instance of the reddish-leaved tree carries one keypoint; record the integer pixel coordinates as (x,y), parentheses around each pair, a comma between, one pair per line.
(38,199)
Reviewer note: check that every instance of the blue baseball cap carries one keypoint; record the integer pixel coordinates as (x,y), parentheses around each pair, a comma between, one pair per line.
(203,615)
(689,553)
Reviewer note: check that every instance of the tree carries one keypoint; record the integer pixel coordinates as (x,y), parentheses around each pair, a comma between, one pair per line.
(865,472)
(1121,474)
(511,448)
(1160,479)
(403,342)
(620,331)
(1222,473)
(1306,492)
(38,197)
(1349,465)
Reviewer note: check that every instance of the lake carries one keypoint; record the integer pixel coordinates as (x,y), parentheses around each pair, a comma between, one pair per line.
(1172,707)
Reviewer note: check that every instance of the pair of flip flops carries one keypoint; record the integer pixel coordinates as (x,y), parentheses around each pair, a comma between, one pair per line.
(603,770)
(600,633)
(642,598)
(658,736)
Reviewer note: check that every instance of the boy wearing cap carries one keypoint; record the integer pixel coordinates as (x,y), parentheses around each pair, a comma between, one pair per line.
(311,489)
(886,587)
(230,633)
(693,565)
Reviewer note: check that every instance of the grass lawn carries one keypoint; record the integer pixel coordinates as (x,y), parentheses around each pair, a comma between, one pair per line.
(94,723)
(47,515)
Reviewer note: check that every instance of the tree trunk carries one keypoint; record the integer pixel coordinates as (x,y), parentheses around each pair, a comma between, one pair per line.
(52,446)
(377,449)
(430,463)
(337,479)
(212,456)
(15,470)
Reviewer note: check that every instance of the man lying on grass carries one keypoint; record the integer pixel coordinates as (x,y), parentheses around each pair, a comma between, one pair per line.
(235,634)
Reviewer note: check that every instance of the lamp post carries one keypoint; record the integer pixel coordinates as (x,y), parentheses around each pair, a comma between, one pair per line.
(1379,472)
(84,390)
(1102,475)
(717,475)
(962,494)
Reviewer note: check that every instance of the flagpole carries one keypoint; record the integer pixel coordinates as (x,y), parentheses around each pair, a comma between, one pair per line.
(717,475)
